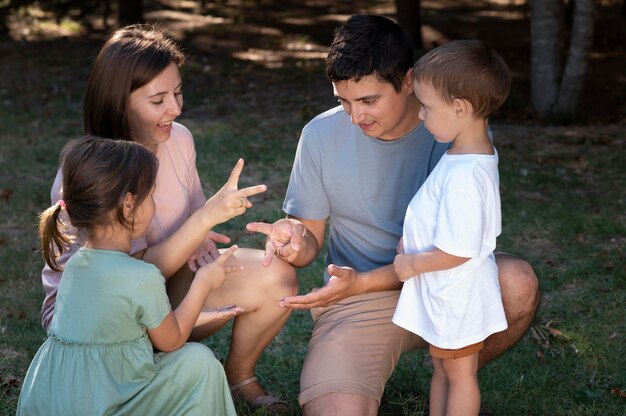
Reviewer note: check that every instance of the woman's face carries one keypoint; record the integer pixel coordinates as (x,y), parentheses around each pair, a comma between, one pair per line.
(153,107)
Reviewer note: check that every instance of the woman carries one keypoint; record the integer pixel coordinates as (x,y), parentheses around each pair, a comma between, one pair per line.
(134,92)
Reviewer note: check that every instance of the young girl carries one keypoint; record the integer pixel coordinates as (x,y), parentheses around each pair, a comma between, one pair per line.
(112,310)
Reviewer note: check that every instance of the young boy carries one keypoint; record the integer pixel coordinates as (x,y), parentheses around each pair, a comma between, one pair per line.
(451,296)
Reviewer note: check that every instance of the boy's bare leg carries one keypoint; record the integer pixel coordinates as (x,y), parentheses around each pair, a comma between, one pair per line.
(438,389)
(520,296)
(463,390)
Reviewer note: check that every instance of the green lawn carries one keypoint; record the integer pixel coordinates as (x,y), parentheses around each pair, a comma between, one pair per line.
(563,198)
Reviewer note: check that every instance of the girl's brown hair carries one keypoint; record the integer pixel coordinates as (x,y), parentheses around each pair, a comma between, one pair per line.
(132,57)
(97,175)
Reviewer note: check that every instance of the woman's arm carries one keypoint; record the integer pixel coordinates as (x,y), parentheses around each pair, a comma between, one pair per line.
(171,254)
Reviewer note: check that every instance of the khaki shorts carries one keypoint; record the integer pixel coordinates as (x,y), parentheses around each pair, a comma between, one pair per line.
(354,347)
(457,353)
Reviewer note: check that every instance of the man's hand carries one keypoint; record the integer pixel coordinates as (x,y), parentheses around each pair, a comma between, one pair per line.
(284,238)
(342,284)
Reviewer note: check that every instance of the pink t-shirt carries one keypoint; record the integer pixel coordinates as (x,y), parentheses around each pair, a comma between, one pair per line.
(177,195)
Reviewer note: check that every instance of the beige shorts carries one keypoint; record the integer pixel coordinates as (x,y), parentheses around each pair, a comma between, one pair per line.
(355,347)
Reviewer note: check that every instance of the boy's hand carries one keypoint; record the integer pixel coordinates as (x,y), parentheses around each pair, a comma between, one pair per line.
(403,266)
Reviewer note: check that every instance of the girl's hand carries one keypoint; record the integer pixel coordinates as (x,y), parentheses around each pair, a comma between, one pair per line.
(230,201)
(214,273)
(223,313)
(207,252)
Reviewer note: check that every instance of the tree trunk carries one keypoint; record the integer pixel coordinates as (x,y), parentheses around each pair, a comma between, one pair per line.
(577,60)
(556,91)
(409,18)
(130,11)
(546,46)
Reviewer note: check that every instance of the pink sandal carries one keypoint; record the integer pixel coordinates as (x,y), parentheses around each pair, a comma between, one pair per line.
(267,400)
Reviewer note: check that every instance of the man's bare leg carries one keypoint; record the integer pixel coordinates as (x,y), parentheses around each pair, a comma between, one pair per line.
(520,295)
(341,404)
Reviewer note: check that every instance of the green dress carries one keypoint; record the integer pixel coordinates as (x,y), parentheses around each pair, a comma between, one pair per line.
(98,359)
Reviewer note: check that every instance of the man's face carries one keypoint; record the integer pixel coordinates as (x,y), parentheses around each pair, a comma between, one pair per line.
(377,108)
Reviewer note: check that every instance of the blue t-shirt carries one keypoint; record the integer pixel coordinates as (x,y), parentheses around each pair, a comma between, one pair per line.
(362,184)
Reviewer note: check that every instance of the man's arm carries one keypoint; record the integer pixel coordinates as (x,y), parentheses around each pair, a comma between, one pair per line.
(291,239)
(299,241)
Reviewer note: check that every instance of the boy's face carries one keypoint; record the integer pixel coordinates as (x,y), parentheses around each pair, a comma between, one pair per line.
(439,116)
(377,108)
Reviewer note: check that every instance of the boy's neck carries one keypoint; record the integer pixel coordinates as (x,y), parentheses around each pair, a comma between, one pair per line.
(473,140)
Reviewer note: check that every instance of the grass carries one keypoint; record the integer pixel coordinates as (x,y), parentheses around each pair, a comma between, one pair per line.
(563,198)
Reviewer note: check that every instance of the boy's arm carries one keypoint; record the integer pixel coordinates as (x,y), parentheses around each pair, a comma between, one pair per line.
(410,265)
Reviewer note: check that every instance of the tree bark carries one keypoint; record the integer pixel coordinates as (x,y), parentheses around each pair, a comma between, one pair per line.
(410,19)
(577,59)
(546,46)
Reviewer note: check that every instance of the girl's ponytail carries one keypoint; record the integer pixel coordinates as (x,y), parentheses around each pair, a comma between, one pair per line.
(53,240)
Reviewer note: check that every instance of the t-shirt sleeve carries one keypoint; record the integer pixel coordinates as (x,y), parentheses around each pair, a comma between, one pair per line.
(306,195)
(461,220)
(151,302)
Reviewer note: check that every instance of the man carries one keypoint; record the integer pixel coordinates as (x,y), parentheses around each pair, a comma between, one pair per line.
(357,167)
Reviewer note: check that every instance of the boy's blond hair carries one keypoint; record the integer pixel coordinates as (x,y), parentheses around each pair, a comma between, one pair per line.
(466,69)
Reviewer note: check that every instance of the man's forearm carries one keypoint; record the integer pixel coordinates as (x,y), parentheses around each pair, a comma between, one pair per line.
(309,249)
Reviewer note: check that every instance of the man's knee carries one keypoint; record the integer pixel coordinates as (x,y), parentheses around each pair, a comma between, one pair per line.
(344,404)
(519,285)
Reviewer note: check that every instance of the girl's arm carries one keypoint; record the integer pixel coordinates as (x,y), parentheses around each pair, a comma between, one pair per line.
(177,325)
(410,265)
(227,203)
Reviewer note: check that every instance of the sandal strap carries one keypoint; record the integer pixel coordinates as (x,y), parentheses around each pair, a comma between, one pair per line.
(268,400)
(242,383)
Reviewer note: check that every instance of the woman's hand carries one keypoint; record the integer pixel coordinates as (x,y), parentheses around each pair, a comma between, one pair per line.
(230,201)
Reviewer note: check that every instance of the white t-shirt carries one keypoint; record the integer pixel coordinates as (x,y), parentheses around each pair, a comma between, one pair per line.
(457,210)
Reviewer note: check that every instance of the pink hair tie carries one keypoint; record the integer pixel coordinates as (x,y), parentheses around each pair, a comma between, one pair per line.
(61,203)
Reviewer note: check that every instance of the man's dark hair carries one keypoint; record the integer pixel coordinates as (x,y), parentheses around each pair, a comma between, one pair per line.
(370,45)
